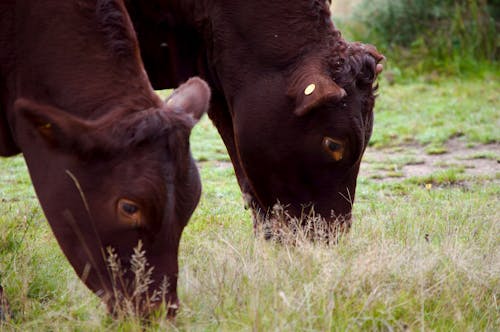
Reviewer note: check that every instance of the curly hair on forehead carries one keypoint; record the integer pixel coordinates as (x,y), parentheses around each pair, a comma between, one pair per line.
(354,63)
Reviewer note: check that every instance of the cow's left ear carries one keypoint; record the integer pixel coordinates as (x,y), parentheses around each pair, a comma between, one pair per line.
(192,97)
(310,86)
(371,63)
(378,57)
(57,127)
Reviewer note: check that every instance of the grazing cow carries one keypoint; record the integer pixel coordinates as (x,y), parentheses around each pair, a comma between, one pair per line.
(292,100)
(110,162)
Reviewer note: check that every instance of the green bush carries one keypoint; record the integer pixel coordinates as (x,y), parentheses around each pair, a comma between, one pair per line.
(452,36)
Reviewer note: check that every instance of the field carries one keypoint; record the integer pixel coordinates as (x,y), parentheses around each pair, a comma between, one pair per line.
(423,253)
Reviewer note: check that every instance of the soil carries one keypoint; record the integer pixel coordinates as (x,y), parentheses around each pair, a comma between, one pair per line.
(413,161)
(407,161)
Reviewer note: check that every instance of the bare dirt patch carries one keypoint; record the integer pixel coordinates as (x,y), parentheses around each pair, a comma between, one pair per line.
(413,161)
(407,161)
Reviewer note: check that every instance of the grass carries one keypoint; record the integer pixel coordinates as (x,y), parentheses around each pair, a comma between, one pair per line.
(423,253)
(431,113)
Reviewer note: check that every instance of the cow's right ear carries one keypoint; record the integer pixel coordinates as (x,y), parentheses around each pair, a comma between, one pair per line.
(192,97)
(58,128)
(310,86)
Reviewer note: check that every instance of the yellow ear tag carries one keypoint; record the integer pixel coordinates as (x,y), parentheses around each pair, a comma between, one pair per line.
(46,126)
(310,89)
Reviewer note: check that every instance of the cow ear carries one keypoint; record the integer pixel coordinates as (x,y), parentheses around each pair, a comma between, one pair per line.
(191,98)
(310,87)
(58,128)
(370,61)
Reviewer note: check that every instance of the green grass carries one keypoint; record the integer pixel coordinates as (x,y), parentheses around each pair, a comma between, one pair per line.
(423,252)
(431,113)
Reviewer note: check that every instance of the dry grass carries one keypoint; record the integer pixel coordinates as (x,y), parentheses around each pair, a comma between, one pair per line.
(132,299)
(280,226)
(417,257)
(371,279)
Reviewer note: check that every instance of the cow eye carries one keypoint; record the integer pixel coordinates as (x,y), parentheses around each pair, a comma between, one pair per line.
(129,212)
(334,148)
(129,208)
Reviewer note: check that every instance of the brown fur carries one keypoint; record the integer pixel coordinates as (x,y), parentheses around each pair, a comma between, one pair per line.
(76,102)
(258,57)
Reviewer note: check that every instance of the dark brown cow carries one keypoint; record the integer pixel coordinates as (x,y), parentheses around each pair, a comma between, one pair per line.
(291,99)
(110,162)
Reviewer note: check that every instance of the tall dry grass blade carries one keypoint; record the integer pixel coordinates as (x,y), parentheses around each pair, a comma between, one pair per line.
(131,299)
(4,307)
(67,214)
(280,226)
(71,220)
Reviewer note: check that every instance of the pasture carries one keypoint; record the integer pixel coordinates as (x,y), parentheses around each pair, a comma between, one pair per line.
(423,252)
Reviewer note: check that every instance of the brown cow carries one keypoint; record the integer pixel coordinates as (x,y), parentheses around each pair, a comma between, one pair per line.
(110,162)
(292,100)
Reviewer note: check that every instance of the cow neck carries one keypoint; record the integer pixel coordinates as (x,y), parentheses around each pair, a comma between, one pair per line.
(86,61)
(317,35)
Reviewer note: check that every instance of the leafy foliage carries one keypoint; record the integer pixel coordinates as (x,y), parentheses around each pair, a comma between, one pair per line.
(451,36)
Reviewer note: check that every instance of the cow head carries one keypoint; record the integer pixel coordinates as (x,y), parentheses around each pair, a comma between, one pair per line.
(301,133)
(302,109)
(116,182)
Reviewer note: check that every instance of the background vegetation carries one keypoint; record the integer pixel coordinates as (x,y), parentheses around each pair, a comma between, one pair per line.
(424,250)
(419,36)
